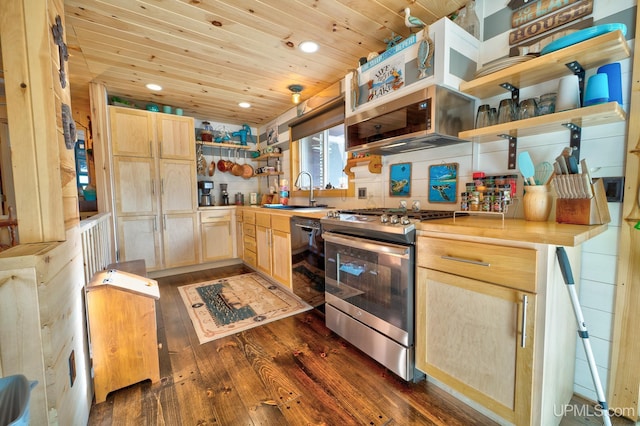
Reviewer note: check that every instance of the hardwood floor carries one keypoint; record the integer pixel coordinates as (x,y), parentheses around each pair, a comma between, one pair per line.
(289,372)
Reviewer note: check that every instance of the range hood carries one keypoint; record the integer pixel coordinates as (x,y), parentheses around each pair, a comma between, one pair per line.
(429,118)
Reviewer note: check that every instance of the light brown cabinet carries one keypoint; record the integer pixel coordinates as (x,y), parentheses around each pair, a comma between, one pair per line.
(154,175)
(494,323)
(273,246)
(217,233)
(249,245)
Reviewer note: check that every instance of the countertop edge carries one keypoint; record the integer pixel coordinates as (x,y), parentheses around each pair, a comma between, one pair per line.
(561,234)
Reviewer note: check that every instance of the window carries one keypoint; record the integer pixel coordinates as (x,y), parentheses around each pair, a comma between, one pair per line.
(323,155)
(318,147)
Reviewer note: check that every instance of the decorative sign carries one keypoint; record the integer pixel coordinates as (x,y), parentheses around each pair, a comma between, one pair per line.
(409,41)
(541,26)
(535,10)
(443,183)
(386,78)
(58,37)
(385,73)
(400,180)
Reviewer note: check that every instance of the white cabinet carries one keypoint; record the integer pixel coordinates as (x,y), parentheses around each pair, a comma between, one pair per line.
(154,176)
(217,233)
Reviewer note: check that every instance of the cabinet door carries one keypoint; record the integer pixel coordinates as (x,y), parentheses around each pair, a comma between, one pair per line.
(263,249)
(281,257)
(179,239)
(178,186)
(139,238)
(176,137)
(132,132)
(469,335)
(217,238)
(135,186)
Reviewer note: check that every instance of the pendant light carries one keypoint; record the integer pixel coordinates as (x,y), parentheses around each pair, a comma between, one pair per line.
(295,90)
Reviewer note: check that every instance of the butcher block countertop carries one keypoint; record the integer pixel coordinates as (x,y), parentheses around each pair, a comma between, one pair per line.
(560,234)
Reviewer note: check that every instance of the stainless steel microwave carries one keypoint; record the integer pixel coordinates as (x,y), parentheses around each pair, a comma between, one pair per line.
(428,118)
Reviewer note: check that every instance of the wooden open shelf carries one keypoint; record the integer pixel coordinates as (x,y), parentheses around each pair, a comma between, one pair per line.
(582,117)
(223,145)
(590,53)
(266,157)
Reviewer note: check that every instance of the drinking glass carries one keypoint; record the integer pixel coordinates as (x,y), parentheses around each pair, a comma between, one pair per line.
(547,104)
(483,118)
(507,111)
(528,108)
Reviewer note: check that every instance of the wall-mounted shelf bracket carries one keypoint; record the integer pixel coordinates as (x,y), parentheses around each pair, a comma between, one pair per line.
(513,147)
(515,92)
(574,138)
(578,70)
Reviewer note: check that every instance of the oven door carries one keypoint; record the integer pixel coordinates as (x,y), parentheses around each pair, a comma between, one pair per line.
(373,282)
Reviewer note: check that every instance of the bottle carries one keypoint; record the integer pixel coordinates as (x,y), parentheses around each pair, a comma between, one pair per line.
(472,23)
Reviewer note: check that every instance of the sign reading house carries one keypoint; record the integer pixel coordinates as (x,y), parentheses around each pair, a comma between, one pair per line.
(542,8)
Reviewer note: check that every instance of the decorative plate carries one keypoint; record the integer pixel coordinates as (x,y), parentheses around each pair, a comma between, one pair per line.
(582,35)
(501,64)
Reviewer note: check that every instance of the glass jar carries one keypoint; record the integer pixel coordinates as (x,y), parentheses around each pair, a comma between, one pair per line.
(547,104)
(474,201)
(207,132)
(464,201)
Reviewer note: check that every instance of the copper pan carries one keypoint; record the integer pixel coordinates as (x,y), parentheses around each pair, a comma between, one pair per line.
(247,169)
(237,168)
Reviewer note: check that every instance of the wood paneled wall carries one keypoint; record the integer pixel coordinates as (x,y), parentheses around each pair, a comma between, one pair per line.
(45,185)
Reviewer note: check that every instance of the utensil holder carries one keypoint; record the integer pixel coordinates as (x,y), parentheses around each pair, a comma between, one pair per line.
(536,203)
(585,211)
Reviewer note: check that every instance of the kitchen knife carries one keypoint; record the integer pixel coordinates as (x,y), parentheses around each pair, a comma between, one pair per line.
(556,168)
(564,170)
(586,183)
(577,181)
(573,164)
(586,178)
(562,187)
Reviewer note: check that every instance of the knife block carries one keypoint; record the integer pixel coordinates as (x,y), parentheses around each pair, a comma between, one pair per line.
(585,211)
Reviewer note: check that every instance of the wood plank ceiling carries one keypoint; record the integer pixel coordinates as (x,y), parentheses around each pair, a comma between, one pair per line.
(208,55)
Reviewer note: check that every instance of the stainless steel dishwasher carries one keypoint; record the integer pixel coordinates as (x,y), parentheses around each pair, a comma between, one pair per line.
(307,260)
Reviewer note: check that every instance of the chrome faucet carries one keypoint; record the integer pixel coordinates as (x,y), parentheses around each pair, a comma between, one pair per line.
(312,202)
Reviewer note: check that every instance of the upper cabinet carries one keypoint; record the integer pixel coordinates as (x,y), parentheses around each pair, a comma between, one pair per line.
(588,54)
(176,136)
(132,132)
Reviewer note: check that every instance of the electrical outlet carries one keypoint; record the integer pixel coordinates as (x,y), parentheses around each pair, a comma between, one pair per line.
(362,193)
(614,188)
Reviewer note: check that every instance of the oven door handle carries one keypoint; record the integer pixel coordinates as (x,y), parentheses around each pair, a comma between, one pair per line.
(377,247)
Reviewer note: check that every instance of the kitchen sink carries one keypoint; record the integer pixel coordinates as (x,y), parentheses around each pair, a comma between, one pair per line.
(295,206)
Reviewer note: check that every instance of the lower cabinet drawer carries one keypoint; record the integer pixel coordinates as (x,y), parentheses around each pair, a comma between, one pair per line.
(513,267)
(249,257)
(249,230)
(249,243)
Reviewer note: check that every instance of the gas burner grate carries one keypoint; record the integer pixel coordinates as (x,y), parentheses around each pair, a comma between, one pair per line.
(420,215)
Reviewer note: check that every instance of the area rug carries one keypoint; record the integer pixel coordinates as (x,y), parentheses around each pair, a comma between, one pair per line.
(226,306)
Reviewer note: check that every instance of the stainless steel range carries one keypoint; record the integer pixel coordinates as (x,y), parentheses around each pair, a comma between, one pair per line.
(369,282)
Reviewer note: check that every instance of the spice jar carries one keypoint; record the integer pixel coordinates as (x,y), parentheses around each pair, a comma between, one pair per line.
(464,201)
(474,201)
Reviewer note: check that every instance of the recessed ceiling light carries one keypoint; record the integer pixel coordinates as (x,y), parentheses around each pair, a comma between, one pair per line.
(244,105)
(309,46)
(155,87)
